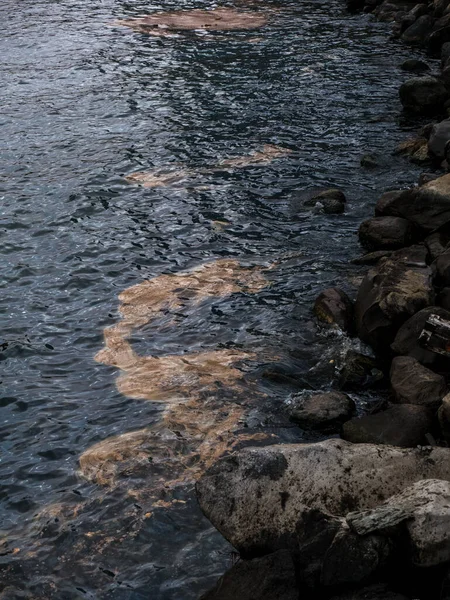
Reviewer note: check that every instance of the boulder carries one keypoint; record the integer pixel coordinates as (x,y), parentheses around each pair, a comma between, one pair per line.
(436,244)
(256,497)
(423,95)
(383,205)
(439,138)
(386,233)
(370,161)
(436,40)
(333,306)
(331,206)
(427,206)
(359,371)
(321,195)
(394,290)
(441,269)
(444,418)
(413,65)
(371,258)
(324,410)
(418,32)
(402,425)
(412,383)
(443,298)
(270,577)
(423,512)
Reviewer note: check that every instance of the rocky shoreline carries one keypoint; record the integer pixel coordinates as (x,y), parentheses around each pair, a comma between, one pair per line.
(366,516)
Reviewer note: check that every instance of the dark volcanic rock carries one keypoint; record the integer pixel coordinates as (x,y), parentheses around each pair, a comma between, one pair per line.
(322,410)
(427,206)
(383,206)
(271,577)
(386,233)
(423,95)
(391,292)
(439,138)
(400,425)
(412,65)
(334,306)
(443,298)
(412,383)
(418,32)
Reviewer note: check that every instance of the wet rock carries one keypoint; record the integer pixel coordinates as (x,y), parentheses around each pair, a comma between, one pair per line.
(371,258)
(412,65)
(370,161)
(373,592)
(423,511)
(359,371)
(333,306)
(403,425)
(443,298)
(423,95)
(412,383)
(427,177)
(436,40)
(271,577)
(386,233)
(418,32)
(392,291)
(406,340)
(436,244)
(427,206)
(441,268)
(331,206)
(439,138)
(383,206)
(444,417)
(321,195)
(257,496)
(325,411)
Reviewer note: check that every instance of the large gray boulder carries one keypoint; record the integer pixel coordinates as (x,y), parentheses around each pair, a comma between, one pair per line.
(386,233)
(321,410)
(423,95)
(394,290)
(439,138)
(412,383)
(257,497)
(427,206)
(333,306)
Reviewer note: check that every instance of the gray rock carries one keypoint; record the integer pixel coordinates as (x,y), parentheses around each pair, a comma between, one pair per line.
(271,577)
(256,497)
(359,371)
(441,268)
(443,298)
(383,205)
(333,306)
(331,206)
(436,244)
(321,195)
(391,292)
(386,233)
(418,32)
(436,40)
(423,95)
(439,138)
(371,258)
(444,418)
(413,65)
(406,340)
(427,206)
(445,54)
(404,425)
(325,410)
(424,510)
(412,383)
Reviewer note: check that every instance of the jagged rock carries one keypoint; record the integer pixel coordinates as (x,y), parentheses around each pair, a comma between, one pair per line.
(271,577)
(371,258)
(423,95)
(423,509)
(383,205)
(418,32)
(386,233)
(436,244)
(441,268)
(391,292)
(323,410)
(334,306)
(370,161)
(406,340)
(427,206)
(257,496)
(445,54)
(426,178)
(443,298)
(444,418)
(413,65)
(404,425)
(412,383)
(439,138)
(359,371)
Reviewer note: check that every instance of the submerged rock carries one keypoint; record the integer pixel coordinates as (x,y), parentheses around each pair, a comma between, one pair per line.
(333,306)
(441,268)
(423,95)
(324,410)
(403,425)
(257,496)
(412,383)
(386,233)
(412,65)
(359,370)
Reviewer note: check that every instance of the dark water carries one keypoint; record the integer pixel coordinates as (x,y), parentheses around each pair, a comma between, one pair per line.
(85,103)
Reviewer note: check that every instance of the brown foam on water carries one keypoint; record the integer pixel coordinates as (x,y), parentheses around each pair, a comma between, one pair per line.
(159,178)
(268,153)
(218,19)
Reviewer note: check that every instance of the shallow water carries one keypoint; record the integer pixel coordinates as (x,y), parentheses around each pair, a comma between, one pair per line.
(87,103)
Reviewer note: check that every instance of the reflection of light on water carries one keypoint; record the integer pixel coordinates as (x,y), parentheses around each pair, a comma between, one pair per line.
(198,425)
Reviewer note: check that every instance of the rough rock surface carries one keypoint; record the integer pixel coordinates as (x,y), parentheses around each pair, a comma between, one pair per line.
(256,497)
(427,206)
(423,95)
(424,510)
(383,206)
(325,411)
(334,306)
(271,577)
(403,425)
(441,268)
(444,418)
(386,233)
(391,292)
(412,383)
(439,138)
(359,371)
